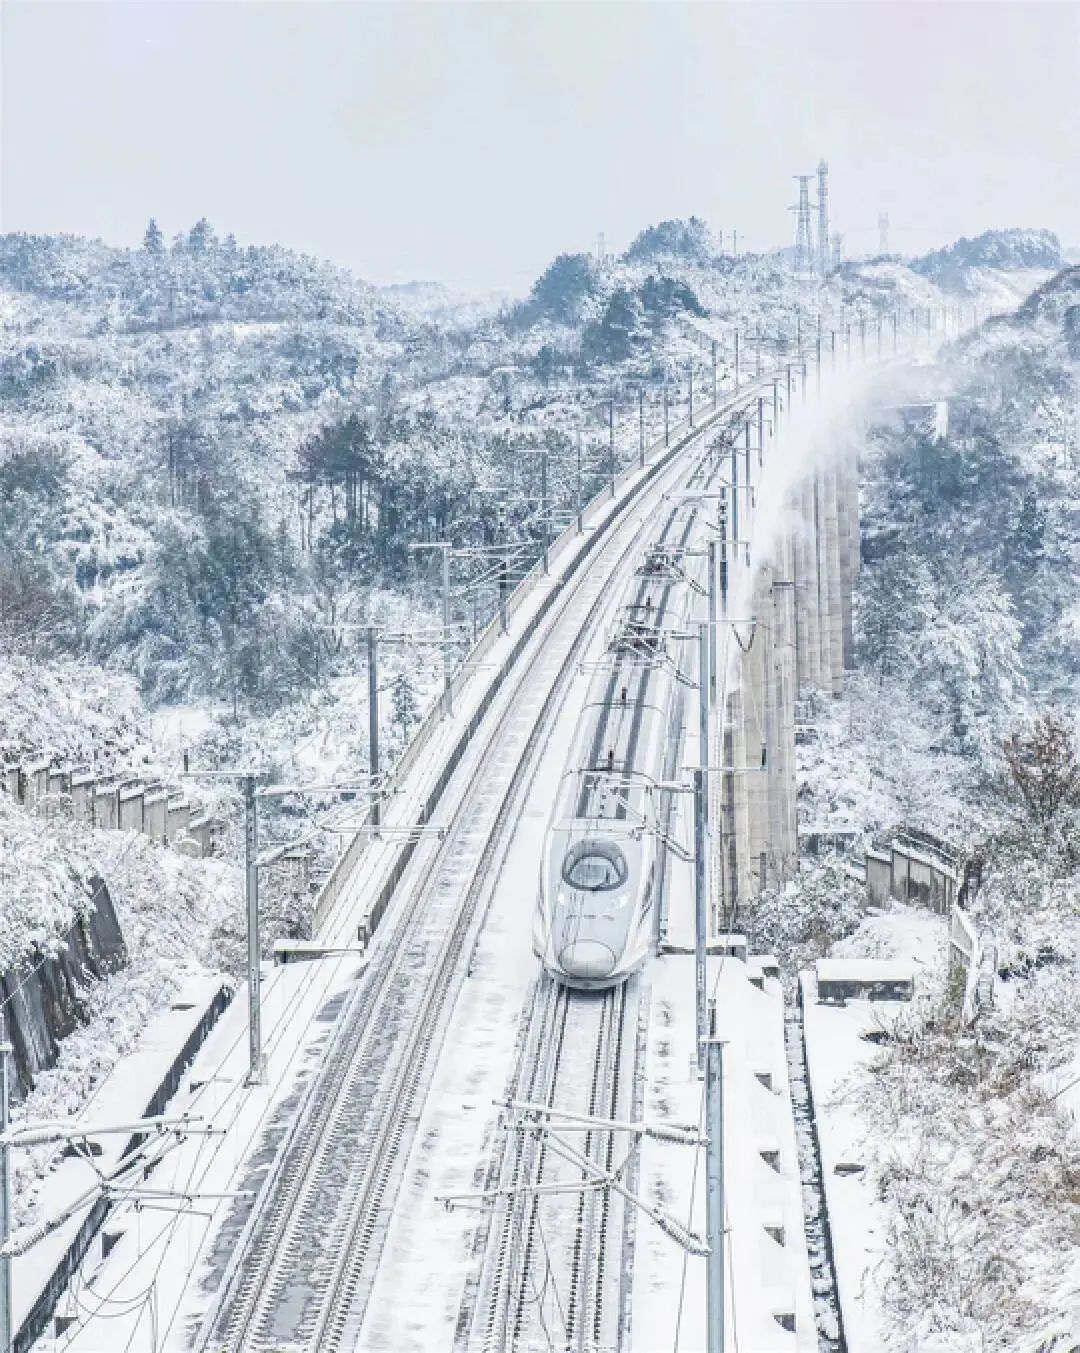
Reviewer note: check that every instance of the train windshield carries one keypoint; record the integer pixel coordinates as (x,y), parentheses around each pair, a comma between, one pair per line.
(594,866)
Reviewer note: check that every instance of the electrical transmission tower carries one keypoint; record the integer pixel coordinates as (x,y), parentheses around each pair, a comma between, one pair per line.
(823,217)
(883,232)
(804,246)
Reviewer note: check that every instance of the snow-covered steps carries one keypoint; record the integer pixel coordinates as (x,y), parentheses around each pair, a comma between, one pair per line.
(837,1048)
(769,1303)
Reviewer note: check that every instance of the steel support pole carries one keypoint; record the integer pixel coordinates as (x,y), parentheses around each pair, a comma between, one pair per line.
(704,701)
(734,499)
(611,443)
(501,545)
(448,689)
(667,416)
(6,1315)
(701,901)
(714,1190)
(256,1061)
(713,542)
(761,430)
(544,508)
(714,385)
(580,524)
(690,367)
(373,722)
(737,355)
(641,426)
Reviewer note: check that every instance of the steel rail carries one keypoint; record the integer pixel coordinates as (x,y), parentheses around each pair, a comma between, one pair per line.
(545,1255)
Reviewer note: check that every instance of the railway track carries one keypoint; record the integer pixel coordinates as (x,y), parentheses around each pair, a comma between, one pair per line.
(551,1257)
(550,1261)
(302,1269)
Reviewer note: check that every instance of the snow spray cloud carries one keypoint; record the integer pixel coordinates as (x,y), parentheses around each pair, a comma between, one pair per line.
(815,433)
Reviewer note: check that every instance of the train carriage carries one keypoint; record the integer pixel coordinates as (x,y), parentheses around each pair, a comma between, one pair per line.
(601,868)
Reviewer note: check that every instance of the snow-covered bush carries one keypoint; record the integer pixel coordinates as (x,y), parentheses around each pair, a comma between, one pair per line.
(799,922)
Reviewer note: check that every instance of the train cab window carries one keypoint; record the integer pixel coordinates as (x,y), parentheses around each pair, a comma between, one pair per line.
(595,866)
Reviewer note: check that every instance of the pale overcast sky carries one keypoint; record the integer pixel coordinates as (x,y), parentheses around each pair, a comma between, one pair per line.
(470,142)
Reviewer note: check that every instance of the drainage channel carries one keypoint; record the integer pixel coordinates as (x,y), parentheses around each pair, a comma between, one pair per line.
(828,1316)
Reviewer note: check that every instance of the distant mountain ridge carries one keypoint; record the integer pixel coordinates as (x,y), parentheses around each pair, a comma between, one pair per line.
(1001,249)
(200,278)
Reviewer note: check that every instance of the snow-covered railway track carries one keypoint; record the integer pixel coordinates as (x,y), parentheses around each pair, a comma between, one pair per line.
(302,1271)
(550,1262)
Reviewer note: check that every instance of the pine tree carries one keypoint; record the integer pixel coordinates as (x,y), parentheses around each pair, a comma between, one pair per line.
(201,236)
(153,240)
(404,704)
(621,331)
(564,287)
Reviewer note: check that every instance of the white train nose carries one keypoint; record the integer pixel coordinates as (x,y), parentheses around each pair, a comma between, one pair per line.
(587,959)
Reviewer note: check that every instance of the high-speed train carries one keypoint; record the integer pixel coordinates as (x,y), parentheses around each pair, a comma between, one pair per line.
(593,923)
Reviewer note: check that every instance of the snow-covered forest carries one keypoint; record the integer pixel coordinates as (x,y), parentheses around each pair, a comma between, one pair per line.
(216,458)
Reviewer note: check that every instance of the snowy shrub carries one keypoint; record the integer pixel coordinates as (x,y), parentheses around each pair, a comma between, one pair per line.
(799,922)
(977,1165)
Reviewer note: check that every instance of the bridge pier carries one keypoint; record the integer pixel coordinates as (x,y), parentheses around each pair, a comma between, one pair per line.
(808,612)
(794,633)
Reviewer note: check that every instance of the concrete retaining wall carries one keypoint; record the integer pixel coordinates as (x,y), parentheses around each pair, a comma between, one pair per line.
(915,869)
(42,998)
(125,806)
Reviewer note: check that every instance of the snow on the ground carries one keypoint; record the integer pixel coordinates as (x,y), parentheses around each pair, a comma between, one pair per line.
(147,1293)
(837,1052)
(121,1097)
(906,934)
(764,1279)
(481,1041)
